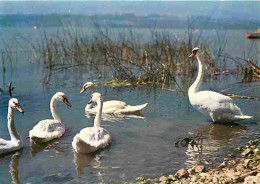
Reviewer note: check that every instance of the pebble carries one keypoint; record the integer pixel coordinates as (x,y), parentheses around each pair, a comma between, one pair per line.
(182,173)
(252,179)
(240,167)
(215,179)
(194,179)
(199,168)
(140,179)
(246,152)
(222,165)
(163,178)
(232,162)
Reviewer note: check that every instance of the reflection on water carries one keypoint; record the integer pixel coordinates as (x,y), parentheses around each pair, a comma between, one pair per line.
(82,161)
(204,149)
(116,117)
(14,163)
(54,144)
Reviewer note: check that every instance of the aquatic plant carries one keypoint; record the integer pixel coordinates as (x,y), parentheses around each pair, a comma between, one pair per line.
(160,58)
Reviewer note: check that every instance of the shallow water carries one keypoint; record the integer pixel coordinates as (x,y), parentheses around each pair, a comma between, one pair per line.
(142,145)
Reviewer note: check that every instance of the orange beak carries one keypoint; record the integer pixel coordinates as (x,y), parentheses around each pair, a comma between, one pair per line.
(82,90)
(192,55)
(19,109)
(67,102)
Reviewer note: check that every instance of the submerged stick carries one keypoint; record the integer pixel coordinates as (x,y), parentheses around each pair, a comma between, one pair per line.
(232,95)
(10,89)
(175,90)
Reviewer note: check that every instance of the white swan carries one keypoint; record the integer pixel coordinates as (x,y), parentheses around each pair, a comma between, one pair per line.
(91,139)
(15,143)
(112,106)
(218,107)
(49,129)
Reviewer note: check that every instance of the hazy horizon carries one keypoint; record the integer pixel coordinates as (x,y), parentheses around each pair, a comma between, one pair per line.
(216,9)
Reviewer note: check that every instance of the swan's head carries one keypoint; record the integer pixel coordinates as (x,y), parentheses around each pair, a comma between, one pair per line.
(62,97)
(87,85)
(14,103)
(96,97)
(195,52)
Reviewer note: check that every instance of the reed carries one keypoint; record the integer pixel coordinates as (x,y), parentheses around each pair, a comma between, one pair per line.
(136,58)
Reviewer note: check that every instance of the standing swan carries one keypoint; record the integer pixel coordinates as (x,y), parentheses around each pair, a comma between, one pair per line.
(218,107)
(49,129)
(91,139)
(15,143)
(112,106)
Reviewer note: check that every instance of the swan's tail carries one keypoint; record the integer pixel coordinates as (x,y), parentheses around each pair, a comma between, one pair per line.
(132,109)
(242,117)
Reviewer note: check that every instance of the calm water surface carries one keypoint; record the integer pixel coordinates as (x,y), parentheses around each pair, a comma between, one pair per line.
(142,145)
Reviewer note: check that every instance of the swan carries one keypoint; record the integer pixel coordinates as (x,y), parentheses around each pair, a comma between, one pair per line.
(15,143)
(112,106)
(49,129)
(91,139)
(218,107)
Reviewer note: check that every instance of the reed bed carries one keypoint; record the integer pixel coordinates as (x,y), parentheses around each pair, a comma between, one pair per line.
(157,59)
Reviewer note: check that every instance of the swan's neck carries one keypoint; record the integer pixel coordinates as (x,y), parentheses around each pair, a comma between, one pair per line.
(53,105)
(97,119)
(89,106)
(196,85)
(11,126)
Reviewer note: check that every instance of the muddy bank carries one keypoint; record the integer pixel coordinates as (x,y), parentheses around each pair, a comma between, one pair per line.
(243,166)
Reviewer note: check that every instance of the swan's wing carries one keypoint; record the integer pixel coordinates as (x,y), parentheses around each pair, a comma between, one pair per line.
(211,96)
(216,102)
(131,109)
(48,129)
(3,143)
(95,136)
(109,107)
(9,146)
(114,104)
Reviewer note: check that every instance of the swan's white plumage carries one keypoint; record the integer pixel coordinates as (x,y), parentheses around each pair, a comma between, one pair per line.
(10,146)
(112,106)
(15,143)
(117,109)
(91,139)
(49,129)
(218,107)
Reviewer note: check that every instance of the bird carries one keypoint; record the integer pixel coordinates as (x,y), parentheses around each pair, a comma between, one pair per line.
(218,107)
(49,129)
(91,139)
(112,106)
(16,142)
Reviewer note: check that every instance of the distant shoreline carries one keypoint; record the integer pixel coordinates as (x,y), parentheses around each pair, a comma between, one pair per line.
(124,21)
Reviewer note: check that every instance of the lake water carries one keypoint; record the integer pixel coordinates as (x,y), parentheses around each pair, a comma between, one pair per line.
(142,146)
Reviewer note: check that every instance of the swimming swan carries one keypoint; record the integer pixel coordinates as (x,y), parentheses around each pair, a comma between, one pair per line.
(15,143)
(112,106)
(49,129)
(218,107)
(91,139)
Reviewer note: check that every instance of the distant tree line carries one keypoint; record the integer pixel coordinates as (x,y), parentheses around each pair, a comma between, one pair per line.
(124,20)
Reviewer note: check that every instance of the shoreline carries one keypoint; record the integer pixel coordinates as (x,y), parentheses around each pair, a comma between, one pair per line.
(245,167)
